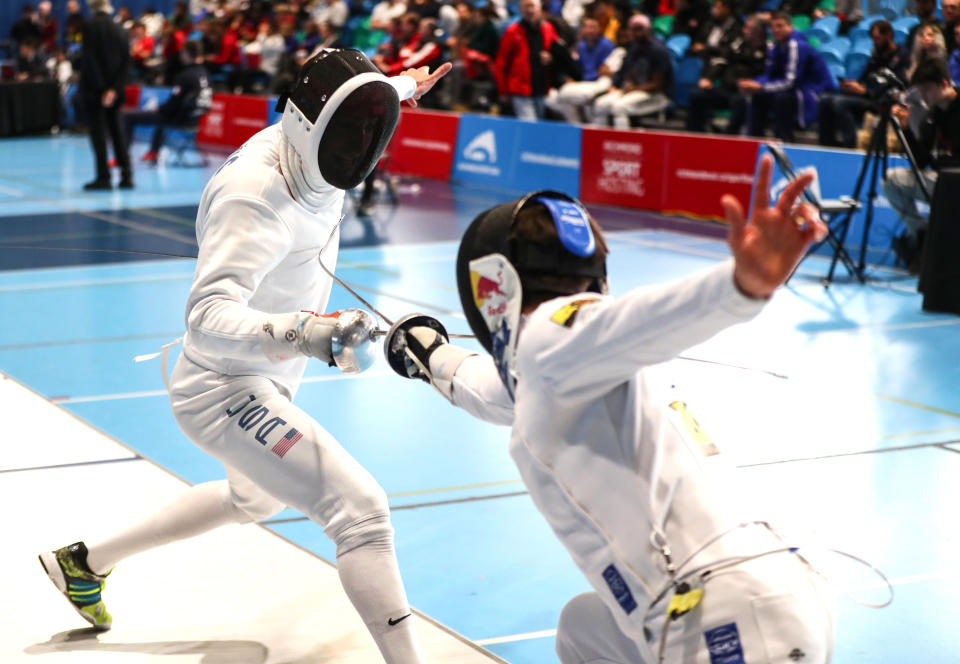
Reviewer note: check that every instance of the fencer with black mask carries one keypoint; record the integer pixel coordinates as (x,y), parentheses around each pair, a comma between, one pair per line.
(266,219)
(640,498)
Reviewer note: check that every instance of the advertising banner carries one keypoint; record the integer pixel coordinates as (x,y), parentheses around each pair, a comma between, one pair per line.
(423,144)
(837,172)
(701,169)
(514,155)
(233,119)
(624,168)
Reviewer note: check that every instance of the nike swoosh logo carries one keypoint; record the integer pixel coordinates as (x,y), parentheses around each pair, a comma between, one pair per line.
(394,621)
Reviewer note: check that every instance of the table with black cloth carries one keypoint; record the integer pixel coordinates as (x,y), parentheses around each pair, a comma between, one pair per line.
(28,107)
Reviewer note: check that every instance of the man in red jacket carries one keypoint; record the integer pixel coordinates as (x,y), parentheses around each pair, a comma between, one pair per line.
(523,61)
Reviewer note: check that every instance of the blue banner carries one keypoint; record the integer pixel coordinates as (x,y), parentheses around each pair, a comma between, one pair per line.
(514,155)
(152,97)
(272,115)
(837,172)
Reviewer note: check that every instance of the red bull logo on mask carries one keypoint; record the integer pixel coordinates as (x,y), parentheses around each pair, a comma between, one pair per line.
(485,287)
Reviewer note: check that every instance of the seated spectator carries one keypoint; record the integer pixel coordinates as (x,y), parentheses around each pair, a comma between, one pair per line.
(606,13)
(174,37)
(473,49)
(691,17)
(743,58)
(954,62)
(719,31)
(384,12)
(593,49)
(191,95)
(926,12)
(31,64)
(334,12)
(794,79)
(844,108)
(928,45)
(935,145)
(523,62)
(644,81)
(142,46)
(413,45)
(951,19)
(797,8)
(26,27)
(48,27)
(424,8)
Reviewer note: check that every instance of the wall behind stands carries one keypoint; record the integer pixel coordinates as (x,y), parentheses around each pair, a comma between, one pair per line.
(671,172)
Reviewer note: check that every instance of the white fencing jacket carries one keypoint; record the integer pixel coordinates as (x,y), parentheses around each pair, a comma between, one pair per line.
(607,460)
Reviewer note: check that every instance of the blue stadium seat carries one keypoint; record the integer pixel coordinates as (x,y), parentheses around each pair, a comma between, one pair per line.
(891,9)
(856,62)
(837,70)
(687,75)
(862,45)
(902,27)
(835,52)
(824,29)
(678,45)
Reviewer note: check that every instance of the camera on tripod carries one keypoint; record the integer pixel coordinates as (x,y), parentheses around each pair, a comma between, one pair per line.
(885,87)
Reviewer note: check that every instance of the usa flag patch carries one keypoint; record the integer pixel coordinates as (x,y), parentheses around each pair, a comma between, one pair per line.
(285,443)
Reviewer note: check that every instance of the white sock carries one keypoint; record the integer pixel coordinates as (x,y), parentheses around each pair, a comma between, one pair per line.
(371,578)
(200,508)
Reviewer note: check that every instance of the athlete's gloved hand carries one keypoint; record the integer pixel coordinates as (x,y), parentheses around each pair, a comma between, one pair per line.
(417,346)
(344,339)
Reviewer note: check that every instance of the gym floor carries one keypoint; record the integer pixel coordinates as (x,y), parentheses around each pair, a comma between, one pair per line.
(840,405)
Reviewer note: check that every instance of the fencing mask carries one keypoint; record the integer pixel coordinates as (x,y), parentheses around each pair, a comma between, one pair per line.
(496,266)
(339,117)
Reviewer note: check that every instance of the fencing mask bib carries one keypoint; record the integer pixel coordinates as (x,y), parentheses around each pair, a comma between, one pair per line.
(495,268)
(339,117)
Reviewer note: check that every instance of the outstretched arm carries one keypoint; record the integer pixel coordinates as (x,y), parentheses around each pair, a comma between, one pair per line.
(425,80)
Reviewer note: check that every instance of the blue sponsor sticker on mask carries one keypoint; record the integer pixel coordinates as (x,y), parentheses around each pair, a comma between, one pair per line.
(619,588)
(723,644)
(573,225)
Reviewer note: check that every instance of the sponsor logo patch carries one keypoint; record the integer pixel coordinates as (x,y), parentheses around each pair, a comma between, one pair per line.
(619,588)
(704,442)
(723,644)
(566,314)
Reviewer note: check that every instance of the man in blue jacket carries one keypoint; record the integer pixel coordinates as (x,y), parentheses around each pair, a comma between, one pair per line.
(791,85)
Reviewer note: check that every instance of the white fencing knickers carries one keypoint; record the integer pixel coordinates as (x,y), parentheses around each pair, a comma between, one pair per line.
(275,453)
(772,610)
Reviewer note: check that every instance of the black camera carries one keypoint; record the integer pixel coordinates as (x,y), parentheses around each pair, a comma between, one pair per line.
(885,87)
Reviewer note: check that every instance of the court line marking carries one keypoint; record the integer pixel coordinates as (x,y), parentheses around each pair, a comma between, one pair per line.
(95,340)
(921,406)
(71,464)
(840,455)
(93,283)
(946,447)
(911,434)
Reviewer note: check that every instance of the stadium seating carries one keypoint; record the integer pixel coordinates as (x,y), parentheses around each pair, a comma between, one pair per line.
(678,45)
(824,29)
(687,75)
(835,52)
(862,29)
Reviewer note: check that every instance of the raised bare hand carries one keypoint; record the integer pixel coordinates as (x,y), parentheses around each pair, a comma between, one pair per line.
(425,80)
(768,247)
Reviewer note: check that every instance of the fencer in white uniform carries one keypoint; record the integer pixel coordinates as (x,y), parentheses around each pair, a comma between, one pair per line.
(641,497)
(264,218)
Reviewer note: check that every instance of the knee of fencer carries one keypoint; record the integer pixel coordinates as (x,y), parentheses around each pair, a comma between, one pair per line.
(362,516)
(373,530)
(573,618)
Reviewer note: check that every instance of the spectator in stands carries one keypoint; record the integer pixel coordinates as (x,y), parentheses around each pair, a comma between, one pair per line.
(593,49)
(124,18)
(103,74)
(523,62)
(743,58)
(718,33)
(794,79)
(334,12)
(690,19)
(175,35)
(73,25)
(31,64)
(228,55)
(797,7)
(954,62)
(142,46)
(424,8)
(935,146)
(384,12)
(48,27)
(951,19)
(843,109)
(413,45)
(473,49)
(644,81)
(929,45)
(926,12)
(26,26)
(605,12)
(190,97)
(153,21)
(328,38)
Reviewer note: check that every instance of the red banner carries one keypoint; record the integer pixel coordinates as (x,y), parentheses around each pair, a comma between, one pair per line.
(423,144)
(232,119)
(702,168)
(131,97)
(624,168)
